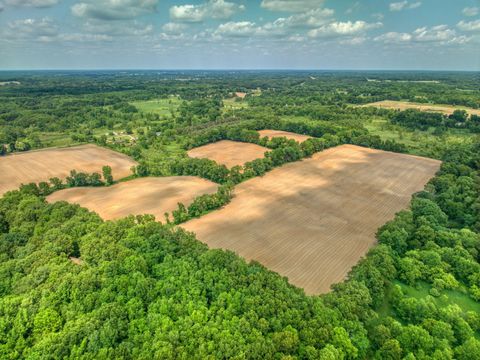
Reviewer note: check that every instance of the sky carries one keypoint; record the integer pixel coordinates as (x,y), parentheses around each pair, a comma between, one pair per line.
(240,34)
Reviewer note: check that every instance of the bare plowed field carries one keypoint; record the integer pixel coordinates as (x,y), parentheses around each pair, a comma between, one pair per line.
(229,153)
(313,220)
(137,197)
(41,165)
(403,105)
(279,133)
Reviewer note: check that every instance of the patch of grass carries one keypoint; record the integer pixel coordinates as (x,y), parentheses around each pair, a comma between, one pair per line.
(422,143)
(447,297)
(232,104)
(422,290)
(159,156)
(56,139)
(163,107)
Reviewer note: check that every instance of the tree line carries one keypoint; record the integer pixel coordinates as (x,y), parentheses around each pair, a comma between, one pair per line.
(145,290)
(415,119)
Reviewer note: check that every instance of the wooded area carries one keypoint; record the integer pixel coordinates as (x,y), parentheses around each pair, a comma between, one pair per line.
(144,289)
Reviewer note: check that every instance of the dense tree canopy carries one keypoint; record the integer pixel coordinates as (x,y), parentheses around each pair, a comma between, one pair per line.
(75,286)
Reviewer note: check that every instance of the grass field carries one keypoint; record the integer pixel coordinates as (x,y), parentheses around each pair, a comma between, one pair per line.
(56,139)
(162,107)
(41,165)
(313,220)
(233,104)
(403,105)
(423,143)
(137,197)
(278,133)
(422,291)
(229,153)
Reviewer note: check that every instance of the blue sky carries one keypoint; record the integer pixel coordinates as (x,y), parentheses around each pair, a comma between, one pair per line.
(240,34)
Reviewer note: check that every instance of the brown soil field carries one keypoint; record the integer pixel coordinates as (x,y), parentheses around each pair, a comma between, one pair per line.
(41,165)
(137,197)
(403,105)
(229,153)
(279,133)
(312,220)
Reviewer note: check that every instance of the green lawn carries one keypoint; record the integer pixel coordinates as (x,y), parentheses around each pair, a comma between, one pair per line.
(422,290)
(162,107)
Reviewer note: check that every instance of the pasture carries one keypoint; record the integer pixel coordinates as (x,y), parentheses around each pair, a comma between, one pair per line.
(229,153)
(403,105)
(41,165)
(164,107)
(312,220)
(137,197)
(279,133)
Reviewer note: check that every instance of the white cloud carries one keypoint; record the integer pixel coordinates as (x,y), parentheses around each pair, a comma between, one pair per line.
(45,30)
(30,29)
(237,29)
(397,6)
(470,11)
(215,9)
(312,18)
(174,28)
(291,5)
(347,28)
(32,3)
(358,40)
(79,37)
(114,9)
(115,29)
(394,37)
(440,34)
(282,27)
(401,5)
(415,5)
(469,26)
(436,33)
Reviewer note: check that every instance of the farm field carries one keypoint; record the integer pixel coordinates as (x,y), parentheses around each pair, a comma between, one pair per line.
(229,153)
(313,220)
(279,133)
(151,195)
(41,165)
(403,105)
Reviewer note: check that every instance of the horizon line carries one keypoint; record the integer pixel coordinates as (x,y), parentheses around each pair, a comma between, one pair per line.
(239,69)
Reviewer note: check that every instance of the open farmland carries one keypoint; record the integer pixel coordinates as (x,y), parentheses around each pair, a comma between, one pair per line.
(229,153)
(313,220)
(403,105)
(163,107)
(41,165)
(279,133)
(137,197)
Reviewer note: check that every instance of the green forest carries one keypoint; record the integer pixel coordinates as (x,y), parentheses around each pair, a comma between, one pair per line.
(147,289)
